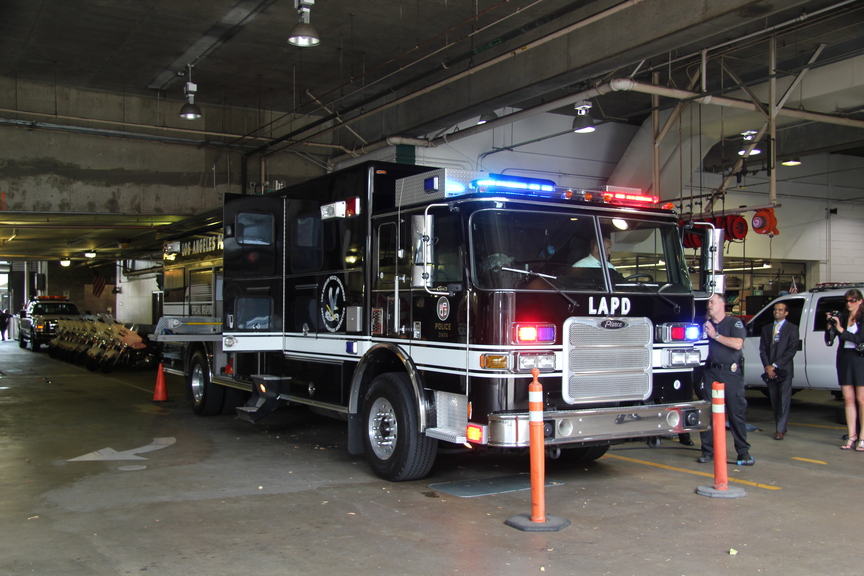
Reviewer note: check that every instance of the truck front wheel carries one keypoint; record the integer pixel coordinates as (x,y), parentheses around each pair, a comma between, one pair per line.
(205,397)
(21,342)
(394,446)
(585,453)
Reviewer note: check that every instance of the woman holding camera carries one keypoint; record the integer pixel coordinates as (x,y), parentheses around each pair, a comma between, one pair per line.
(849,328)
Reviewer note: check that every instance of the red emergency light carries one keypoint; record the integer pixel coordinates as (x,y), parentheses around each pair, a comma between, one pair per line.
(534,333)
(633,198)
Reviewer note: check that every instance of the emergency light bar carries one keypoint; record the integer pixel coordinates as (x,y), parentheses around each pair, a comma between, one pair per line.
(537,187)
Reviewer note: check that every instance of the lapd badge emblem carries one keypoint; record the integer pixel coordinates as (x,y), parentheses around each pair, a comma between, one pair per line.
(443,308)
(734,367)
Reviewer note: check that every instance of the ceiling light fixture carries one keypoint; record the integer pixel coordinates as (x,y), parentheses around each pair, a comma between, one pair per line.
(190,110)
(304,35)
(792,162)
(753,152)
(89,254)
(487,117)
(65,263)
(583,123)
(749,134)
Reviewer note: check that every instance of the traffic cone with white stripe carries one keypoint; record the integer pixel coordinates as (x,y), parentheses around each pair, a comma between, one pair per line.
(538,520)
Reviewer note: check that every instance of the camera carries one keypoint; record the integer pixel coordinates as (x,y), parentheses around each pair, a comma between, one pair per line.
(831,332)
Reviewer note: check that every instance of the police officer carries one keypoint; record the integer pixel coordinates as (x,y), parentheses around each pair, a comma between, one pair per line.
(725,340)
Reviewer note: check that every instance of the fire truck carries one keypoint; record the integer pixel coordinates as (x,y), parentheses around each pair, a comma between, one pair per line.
(414,303)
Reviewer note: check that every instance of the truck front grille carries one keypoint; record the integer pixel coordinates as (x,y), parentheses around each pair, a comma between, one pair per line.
(608,359)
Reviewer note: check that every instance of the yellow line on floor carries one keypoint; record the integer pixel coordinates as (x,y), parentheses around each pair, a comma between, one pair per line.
(706,474)
(808,460)
(819,426)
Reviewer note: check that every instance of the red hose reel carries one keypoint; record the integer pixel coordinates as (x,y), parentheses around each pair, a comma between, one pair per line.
(765,222)
(735,226)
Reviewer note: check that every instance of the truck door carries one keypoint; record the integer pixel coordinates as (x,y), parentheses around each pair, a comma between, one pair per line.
(253,267)
(390,297)
(437,282)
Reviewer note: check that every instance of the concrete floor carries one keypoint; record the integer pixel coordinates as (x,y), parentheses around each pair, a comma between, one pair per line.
(285,497)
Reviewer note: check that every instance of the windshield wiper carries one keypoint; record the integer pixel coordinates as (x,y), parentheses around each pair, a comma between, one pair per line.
(548,279)
(676,308)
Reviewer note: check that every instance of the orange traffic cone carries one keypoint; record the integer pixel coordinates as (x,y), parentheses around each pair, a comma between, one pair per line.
(160,394)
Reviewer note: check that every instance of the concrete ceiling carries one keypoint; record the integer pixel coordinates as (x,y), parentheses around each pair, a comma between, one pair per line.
(410,69)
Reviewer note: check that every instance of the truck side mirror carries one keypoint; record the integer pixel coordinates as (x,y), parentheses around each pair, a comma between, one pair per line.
(422,233)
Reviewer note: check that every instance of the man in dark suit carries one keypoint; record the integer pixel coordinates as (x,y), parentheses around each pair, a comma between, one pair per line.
(777,347)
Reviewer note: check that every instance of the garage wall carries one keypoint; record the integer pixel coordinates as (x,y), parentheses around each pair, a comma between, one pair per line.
(70,150)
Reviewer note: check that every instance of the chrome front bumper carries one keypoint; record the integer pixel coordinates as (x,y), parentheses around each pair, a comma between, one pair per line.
(603,424)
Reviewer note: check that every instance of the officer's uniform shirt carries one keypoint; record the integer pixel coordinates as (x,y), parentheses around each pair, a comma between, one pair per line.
(721,354)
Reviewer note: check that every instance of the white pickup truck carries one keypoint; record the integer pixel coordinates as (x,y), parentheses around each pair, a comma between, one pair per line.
(815,361)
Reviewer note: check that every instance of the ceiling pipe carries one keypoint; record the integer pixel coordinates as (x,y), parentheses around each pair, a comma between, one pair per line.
(615,85)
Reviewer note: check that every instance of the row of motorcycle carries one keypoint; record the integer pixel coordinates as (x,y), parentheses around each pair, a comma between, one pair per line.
(101,343)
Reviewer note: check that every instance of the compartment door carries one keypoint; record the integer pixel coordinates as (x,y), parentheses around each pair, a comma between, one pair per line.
(254,270)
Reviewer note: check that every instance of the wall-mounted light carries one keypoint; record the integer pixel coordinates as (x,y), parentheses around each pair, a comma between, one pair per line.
(487,117)
(89,254)
(583,123)
(65,263)
(190,110)
(792,162)
(303,35)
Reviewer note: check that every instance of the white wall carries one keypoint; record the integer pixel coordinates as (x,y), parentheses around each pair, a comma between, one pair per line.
(832,244)
(134,299)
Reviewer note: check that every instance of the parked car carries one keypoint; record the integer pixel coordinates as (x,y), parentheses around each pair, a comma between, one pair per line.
(38,322)
(815,361)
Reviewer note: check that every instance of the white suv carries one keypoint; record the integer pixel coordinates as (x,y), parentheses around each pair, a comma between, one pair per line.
(815,361)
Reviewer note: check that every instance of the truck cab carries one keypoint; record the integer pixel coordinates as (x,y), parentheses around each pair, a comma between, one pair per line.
(37,323)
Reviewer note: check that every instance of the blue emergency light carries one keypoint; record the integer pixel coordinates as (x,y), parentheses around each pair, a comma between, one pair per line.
(501,183)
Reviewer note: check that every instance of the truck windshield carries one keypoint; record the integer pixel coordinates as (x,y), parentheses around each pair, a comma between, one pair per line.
(55,308)
(512,250)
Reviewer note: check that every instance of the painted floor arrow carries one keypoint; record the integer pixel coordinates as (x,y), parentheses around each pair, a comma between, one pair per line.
(111,454)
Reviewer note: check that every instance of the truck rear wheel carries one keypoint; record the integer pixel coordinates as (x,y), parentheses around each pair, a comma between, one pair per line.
(21,342)
(394,446)
(205,397)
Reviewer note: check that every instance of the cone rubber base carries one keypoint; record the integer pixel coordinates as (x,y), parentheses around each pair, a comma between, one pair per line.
(523,522)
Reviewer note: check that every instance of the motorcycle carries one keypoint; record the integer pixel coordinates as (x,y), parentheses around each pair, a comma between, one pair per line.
(127,348)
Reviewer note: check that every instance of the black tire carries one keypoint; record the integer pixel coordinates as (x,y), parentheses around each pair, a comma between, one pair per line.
(34,345)
(204,396)
(92,364)
(394,446)
(107,366)
(654,442)
(21,342)
(233,397)
(585,454)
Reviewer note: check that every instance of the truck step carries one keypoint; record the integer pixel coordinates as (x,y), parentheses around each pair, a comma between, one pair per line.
(257,408)
(260,404)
